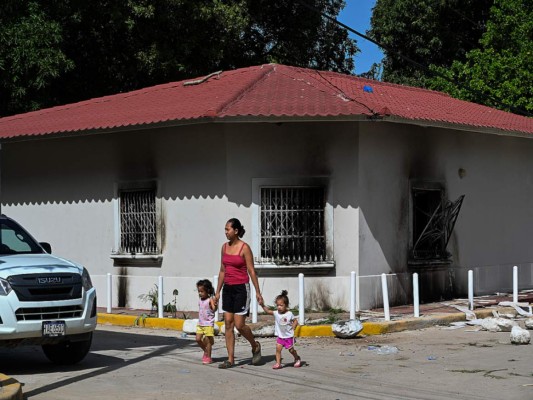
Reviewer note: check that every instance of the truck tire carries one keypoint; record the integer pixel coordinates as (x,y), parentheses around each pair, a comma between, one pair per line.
(67,353)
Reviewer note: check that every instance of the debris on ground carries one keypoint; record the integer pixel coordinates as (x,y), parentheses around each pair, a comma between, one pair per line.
(518,307)
(347,329)
(383,350)
(529,323)
(497,324)
(264,331)
(520,336)
(469,314)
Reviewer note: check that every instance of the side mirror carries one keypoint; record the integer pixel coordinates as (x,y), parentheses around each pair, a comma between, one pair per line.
(46,247)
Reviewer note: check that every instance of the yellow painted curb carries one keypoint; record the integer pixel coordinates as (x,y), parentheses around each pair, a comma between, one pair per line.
(10,389)
(369,328)
(147,322)
(313,330)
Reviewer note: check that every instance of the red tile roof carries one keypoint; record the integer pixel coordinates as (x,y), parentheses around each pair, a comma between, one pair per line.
(267,92)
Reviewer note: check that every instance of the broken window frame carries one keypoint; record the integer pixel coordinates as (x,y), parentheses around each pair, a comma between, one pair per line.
(429,245)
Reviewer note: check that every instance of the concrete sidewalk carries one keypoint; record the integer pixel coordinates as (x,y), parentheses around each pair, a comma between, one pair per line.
(374,327)
(402,318)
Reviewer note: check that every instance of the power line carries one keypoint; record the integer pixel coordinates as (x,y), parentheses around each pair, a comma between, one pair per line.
(388,49)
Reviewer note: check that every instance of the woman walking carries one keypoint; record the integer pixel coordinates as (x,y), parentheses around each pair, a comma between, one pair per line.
(236,270)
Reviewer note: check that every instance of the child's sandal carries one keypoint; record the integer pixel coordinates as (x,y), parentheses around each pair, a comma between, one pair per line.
(298,363)
(277,366)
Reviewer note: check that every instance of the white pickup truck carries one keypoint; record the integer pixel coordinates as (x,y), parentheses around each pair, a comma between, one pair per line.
(44,300)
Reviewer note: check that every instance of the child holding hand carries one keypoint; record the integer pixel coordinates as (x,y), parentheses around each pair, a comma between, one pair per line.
(205,333)
(285,325)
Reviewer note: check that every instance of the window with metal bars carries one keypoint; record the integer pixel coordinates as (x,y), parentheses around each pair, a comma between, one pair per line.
(292,225)
(138,222)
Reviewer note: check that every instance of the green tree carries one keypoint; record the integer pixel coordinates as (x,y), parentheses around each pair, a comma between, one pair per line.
(500,72)
(426,31)
(81,49)
(31,55)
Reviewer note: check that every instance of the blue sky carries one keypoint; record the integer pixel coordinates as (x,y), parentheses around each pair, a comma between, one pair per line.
(357,15)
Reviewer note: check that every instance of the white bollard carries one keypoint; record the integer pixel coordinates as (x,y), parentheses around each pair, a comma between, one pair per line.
(515,284)
(160,298)
(215,285)
(109,293)
(470,289)
(301,299)
(385,291)
(416,298)
(357,293)
(352,295)
(254,305)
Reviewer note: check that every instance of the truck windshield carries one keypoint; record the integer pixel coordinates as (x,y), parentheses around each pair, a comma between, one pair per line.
(15,240)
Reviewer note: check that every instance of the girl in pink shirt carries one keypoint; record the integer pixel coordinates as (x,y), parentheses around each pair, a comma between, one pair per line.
(205,332)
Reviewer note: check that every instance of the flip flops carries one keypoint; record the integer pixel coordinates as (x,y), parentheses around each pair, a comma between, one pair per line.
(225,365)
(277,366)
(256,355)
(298,363)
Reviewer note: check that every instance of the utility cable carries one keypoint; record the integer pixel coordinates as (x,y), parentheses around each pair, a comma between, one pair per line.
(388,49)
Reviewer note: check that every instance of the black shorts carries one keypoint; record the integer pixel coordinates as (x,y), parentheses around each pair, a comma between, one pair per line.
(236,299)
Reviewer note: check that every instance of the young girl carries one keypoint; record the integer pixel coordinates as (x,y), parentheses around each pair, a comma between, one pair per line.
(205,333)
(285,325)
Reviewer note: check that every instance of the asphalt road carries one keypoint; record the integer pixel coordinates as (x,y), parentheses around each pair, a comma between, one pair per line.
(136,363)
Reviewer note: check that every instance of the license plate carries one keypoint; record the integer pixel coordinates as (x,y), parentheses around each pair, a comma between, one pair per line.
(53,328)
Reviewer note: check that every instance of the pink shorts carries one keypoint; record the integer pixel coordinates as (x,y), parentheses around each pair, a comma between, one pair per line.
(288,343)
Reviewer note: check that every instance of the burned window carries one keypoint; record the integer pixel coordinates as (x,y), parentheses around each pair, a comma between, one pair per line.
(138,222)
(433,220)
(292,225)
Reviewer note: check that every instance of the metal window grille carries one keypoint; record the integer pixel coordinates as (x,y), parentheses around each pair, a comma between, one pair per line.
(138,222)
(292,225)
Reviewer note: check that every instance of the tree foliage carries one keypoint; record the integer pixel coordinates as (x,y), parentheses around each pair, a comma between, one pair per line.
(499,73)
(426,31)
(30,54)
(61,51)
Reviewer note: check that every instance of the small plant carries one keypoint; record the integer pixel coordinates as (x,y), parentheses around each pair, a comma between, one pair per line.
(333,315)
(174,309)
(170,308)
(152,298)
(140,319)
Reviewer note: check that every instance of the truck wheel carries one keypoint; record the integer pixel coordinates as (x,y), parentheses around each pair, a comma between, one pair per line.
(67,352)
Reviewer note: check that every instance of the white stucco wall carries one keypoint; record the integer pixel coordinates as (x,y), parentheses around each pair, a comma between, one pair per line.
(62,191)
(496,220)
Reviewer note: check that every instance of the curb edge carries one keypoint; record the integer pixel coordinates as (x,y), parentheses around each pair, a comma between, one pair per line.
(369,328)
(10,389)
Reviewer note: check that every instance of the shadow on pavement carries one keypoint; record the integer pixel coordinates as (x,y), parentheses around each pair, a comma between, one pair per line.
(30,360)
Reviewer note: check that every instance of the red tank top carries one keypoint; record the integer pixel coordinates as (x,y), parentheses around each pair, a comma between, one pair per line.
(235,268)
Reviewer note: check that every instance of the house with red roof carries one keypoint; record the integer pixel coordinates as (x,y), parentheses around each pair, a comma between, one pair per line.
(329,174)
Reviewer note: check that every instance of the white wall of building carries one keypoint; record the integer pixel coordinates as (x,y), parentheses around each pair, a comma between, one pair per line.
(63,193)
(494,226)
(62,190)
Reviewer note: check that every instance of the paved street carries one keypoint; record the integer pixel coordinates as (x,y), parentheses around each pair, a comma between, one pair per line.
(135,363)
